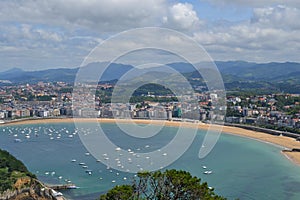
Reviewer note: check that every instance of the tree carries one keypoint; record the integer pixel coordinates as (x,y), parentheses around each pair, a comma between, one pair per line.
(119,193)
(171,184)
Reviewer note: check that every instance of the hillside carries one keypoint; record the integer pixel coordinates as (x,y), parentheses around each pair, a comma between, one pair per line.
(17,183)
(237,75)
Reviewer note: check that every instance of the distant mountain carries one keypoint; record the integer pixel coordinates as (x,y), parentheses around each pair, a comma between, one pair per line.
(236,74)
(16,76)
(112,71)
(254,71)
(182,67)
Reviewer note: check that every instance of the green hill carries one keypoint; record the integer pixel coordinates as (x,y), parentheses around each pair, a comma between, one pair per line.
(11,170)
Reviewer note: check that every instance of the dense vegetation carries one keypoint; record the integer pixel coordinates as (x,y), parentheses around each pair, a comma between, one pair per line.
(10,170)
(148,92)
(171,184)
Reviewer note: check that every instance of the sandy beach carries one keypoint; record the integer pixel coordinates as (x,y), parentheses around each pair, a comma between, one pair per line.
(285,142)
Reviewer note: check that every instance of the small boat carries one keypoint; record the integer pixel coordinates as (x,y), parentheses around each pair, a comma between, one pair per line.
(84,166)
(18,140)
(82,163)
(87,154)
(73,160)
(72,187)
(118,149)
(204,167)
(89,172)
(207,172)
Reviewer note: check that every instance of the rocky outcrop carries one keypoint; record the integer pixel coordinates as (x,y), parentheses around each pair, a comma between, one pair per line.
(28,190)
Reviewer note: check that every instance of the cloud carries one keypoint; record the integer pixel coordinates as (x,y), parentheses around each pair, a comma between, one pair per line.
(255,3)
(34,46)
(50,32)
(278,17)
(182,16)
(272,34)
(104,15)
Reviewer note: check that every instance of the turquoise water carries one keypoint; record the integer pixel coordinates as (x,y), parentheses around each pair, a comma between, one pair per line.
(242,168)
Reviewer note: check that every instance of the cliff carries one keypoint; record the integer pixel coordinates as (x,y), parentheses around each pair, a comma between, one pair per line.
(17,183)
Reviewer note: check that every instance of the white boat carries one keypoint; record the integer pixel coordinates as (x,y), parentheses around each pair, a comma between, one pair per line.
(72,187)
(73,160)
(207,172)
(204,167)
(82,163)
(18,140)
(118,149)
(89,172)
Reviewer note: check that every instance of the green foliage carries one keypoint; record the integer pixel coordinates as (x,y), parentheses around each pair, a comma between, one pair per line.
(119,192)
(171,184)
(10,170)
(152,89)
(44,98)
(283,100)
(66,90)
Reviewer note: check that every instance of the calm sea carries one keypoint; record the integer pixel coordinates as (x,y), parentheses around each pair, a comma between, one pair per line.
(242,168)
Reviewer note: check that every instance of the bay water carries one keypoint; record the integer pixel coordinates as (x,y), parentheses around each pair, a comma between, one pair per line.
(241,167)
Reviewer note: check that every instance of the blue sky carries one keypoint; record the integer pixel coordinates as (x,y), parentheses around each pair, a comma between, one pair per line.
(54,33)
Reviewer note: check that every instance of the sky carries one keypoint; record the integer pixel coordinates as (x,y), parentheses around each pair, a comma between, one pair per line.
(45,34)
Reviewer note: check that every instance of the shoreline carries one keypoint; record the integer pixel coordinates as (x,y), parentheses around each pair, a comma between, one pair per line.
(284,142)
